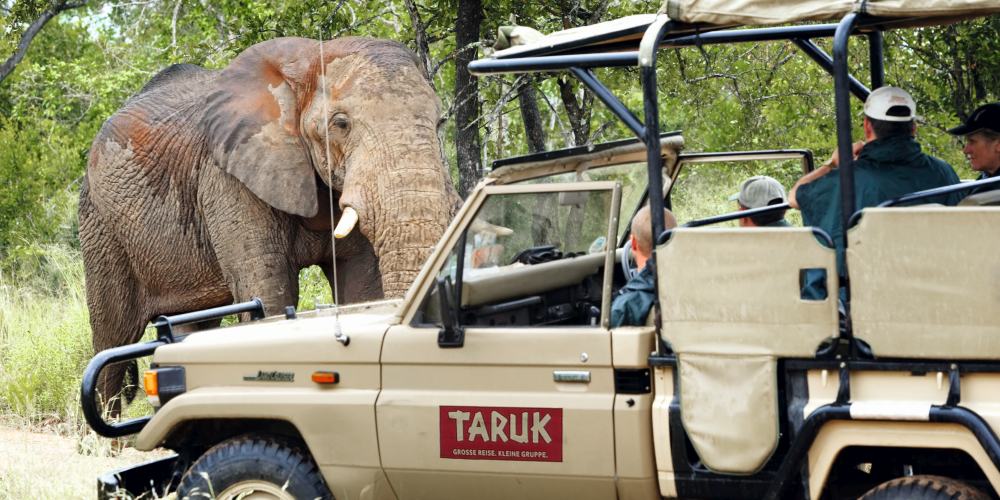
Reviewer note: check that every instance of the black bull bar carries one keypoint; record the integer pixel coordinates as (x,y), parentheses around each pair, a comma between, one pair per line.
(159,475)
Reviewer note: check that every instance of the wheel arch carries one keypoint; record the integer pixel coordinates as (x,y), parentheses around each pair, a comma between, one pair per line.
(318,418)
(197,435)
(836,436)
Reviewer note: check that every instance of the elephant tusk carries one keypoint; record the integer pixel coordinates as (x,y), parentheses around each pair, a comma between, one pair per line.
(481,226)
(347,222)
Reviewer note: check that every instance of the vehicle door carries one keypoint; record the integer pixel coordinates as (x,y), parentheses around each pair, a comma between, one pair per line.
(499,382)
(732,304)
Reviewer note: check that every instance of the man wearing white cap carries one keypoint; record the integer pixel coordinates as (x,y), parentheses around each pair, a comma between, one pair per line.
(757,192)
(888,163)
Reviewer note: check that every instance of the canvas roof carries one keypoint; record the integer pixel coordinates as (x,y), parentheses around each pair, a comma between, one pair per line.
(702,15)
(764,12)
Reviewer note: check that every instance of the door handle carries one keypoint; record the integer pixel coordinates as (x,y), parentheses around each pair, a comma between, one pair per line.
(574,376)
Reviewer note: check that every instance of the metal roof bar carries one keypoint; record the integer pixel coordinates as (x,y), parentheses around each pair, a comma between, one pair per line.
(587,77)
(876,59)
(826,62)
(654,162)
(549,63)
(842,106)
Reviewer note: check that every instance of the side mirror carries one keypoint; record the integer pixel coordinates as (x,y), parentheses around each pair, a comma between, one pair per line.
(451,334)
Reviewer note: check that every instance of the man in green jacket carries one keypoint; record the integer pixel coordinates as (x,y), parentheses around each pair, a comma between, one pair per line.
(888,163)
(635,299)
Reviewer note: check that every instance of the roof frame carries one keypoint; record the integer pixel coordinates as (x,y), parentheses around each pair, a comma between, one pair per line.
(665,33)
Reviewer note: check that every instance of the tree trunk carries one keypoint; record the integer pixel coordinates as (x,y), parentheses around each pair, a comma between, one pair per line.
(534,130)
(577,112)
(467,145)
(420,38)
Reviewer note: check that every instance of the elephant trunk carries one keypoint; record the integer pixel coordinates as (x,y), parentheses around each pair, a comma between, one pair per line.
(400,261)
(407,212)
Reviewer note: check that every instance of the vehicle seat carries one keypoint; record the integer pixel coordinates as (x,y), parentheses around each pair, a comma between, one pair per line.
(986,198)
(732,306)
(925,281)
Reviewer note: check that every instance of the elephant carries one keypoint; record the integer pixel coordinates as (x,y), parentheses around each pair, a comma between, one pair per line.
(214,186)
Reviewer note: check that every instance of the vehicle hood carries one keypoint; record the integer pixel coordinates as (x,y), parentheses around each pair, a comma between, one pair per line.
(306,339)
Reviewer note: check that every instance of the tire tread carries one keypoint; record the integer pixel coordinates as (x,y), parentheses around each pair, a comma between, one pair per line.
(261,450)
(924,487)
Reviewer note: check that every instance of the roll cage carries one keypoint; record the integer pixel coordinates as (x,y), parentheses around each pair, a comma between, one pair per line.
(636,43)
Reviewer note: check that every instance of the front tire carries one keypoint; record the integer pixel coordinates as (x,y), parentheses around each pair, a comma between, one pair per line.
(924,488)
(254,467)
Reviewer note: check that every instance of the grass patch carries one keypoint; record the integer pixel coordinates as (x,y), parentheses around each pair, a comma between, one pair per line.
(44,335)
(45,346)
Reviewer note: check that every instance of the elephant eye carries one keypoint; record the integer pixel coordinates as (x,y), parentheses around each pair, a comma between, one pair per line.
(341,121)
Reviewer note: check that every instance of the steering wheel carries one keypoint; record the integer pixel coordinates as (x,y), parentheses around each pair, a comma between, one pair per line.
(628,269)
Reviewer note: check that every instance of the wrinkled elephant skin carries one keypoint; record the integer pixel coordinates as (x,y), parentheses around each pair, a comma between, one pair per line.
(210,187)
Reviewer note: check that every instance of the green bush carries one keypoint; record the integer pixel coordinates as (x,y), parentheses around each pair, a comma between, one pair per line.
(44,335)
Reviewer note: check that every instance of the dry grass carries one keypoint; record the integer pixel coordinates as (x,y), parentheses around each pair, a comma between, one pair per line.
(51,466)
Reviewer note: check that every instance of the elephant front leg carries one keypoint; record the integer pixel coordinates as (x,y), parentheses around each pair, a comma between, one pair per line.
(252,244)
(358,278)
(117,305)
(258,266)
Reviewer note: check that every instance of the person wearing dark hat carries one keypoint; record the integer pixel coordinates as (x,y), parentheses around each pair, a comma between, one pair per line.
(888,163)
(981,142)
(761,191)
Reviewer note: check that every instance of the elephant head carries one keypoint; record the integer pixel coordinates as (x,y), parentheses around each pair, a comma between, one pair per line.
(356,114)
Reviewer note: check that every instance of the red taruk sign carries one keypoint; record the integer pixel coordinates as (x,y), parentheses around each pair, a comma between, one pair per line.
(501,433)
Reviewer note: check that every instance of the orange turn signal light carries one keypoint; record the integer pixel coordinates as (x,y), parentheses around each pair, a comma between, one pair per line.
(151,383)
(324,377)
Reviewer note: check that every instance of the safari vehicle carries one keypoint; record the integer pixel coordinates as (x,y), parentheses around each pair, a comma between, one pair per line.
(498,374)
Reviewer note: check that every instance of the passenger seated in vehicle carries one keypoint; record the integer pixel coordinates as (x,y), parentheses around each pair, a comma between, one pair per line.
(635,299)
(981,138)
(888,163)
(761,191)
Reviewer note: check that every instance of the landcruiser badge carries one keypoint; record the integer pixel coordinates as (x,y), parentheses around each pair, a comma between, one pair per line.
(500,433)
(263,376)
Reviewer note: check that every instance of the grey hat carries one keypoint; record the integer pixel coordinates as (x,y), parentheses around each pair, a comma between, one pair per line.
(760,191)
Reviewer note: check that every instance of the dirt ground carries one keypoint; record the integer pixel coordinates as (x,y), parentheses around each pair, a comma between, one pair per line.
(49,466)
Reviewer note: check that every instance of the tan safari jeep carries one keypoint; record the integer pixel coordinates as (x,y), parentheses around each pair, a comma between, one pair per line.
(498,375)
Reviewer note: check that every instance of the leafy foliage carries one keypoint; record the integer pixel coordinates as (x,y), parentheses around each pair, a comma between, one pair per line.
(87,62)
(752,96)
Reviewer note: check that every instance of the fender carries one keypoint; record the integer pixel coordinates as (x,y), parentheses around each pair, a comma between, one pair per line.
(839,434)
(343,416)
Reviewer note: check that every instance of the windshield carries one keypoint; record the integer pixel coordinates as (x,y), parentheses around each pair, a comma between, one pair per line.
(631,177)
(548,245)
(528,228)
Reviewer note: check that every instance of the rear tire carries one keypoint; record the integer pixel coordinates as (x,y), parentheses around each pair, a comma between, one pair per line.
(254,467)
(924,488)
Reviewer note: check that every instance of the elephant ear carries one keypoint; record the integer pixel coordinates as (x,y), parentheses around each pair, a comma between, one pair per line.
(251,121)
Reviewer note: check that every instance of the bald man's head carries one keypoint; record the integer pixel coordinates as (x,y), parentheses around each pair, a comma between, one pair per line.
(643,232)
